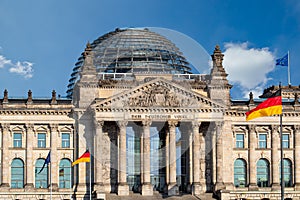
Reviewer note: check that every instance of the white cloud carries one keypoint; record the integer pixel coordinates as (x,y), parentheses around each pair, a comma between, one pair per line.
(248,67)
(23,68)
(4,61)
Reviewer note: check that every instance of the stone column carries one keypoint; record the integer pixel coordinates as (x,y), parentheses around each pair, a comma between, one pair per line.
(142,157)
(167,148)
(196,159)
(54,161)
(190,160)
(202,160)
(219,157)
(275,158)
(147,189)
(6,160)
(172,187)
(252,158)
(123,189)
(29,160)
(99,187)
(297,156)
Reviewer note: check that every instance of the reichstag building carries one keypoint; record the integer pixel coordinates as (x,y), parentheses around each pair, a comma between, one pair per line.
(153,128)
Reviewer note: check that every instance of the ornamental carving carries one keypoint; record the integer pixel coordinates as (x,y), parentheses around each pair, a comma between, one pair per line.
(146,123)
(172,123)
(158,96)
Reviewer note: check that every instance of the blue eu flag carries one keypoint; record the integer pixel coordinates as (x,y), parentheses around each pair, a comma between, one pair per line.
(284,61)
(47,161)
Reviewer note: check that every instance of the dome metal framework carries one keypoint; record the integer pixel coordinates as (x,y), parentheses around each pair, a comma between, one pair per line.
(133,51)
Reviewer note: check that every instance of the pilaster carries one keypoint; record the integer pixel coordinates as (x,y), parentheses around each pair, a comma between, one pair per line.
(252,163)
(297,156)
(5,155)
(54,161)
(29,160)
(275,158)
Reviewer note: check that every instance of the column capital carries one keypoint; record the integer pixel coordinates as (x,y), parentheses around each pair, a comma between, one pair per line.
(5,126)
(146,123)
(274,128)
(219,124)
(98,123)
(296,128)
(122,124)
(53,127)
(196,124)
(172,123)
(251,127)
(29,127)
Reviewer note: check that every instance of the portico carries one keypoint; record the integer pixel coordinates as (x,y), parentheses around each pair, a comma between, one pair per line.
(159,147)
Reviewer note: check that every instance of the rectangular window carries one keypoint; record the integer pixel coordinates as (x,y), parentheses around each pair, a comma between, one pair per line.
(42,140)
(262,141)
(285,140)
(65,140)
(239,141)
(17,140)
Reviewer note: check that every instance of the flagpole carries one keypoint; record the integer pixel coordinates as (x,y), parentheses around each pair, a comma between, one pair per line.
(281,160)
(90,177)
(50,183)
(289,72)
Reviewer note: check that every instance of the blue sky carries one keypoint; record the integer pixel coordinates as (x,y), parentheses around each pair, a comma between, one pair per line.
(40,41)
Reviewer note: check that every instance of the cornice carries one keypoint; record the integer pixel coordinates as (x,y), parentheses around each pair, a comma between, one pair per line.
(160,110)
(234,113)
(35,112)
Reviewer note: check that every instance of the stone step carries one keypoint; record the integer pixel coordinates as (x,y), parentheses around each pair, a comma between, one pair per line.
(159,196)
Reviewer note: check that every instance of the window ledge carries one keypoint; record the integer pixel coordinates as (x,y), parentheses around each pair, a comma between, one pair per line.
(243,149)
(16,148)
(288,149)
(41,148)
(60,148)
(263,148)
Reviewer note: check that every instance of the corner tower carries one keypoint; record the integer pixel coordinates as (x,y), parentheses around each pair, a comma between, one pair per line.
(218,86)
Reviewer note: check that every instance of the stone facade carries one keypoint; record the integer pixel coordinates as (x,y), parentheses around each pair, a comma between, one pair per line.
(153,132)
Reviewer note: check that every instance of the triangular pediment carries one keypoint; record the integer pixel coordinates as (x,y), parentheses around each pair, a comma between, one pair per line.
(158,93)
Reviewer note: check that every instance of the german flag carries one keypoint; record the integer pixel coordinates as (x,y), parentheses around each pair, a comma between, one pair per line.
(86,157)
(271,106)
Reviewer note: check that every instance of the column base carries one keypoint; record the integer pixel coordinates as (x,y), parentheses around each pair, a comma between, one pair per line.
(253,187)
(123,189)
(99,188)
(29,185)
(173,189)
(4,187)
(297,186)
(276,187)
(189,188)
(196,189)
(54,187)
(219,186)
(147,189)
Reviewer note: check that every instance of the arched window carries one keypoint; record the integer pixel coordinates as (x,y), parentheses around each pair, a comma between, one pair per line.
(287,172)
(65,173)
(17,173)
(262,173)
(240,175)
(41,176)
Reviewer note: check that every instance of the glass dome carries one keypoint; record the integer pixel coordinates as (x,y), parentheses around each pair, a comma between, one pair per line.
(133,51)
